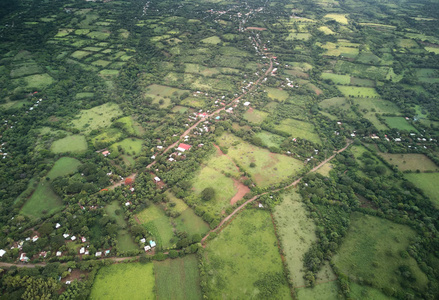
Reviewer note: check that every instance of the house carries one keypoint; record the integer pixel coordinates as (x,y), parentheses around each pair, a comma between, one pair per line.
(98,254)
(57,225)
(2,252)
(159,147)
(68,282)
(183,147)
(260,205)
(66,235)
(246,103)
(83,239)
(152,243)
(58,253)
(86,252)
(35,238)
(73,238)
(107,252)
(82,250)
(153,157)
(106,153)
(24,258)
(128,203)
(43,254)
(143,240)
(147,248)
(156,179)
(171,159)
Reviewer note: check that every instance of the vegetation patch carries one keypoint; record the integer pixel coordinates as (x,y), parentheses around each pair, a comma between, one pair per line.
(298,36)
(428,182)
(353,91)
(25,69)
(158,224)
(79,54)
(299,129)
(37,81)
(129,146)
(399,123)
(337,78)
(70,144)
(64,166)
(211,40)
(410,162)
(323,291)
(42,202)
(270,139)
(326,30)
(339,18)
(190,223)
(366,292)
(124,239)
(162,94)
(276,94)
(96,117)
(107,137)
(255,116)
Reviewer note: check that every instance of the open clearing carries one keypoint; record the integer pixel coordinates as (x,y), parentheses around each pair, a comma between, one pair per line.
(190,223)
(338,18)
(64,166)
(399,123)
(270,139)
(337,78)
(411,162)
(130,146)
(43,201)
(37,81)
(366,292)
(375,249)
(177,278)
(70,144)
(276,94)
(323,291)
(124,239)
(156,222)
(428,182)
(376,106)
(96,117)
(299,129)
(161,92)
(124,281)
(255,116)
(244,261)
(354,91)
(296,232)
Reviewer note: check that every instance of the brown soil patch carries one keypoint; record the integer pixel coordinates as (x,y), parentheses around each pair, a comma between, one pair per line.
(74,275)
(250,110)
(242,190)
(256,28)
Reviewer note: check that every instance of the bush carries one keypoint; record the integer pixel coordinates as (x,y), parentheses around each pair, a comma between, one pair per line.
(208,194)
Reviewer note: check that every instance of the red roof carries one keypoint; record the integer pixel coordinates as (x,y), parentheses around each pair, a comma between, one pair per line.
(184,146)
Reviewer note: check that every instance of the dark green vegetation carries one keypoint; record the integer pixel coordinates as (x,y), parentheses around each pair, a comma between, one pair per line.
(94,94)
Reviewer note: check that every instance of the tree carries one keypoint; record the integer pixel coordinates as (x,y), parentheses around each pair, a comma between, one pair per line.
(208,194)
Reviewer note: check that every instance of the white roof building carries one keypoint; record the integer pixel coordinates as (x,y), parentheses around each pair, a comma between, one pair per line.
(57,225)
(147,248)
(66,235)
(98,254)
(2,252)
(82,250)
(59,253)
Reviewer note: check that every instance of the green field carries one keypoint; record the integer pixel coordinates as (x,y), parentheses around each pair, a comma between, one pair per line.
(195,102)
(296,231)
(161,92)
(124,239)
(376,105)
(360,292)
(79,54)
(129,146)
(336,102)
(244,261)
(354,91)
(298,36)
(43,201)
(70,144)
(63,166)
(339,18)
(190,223)
(96,117)
(326,30)
(124,281)
(270,168)
(211,40)
(255,116)
(411,162)
(428,182)
(276,94)
(269,139)
(374,249)
(37,81)
(25,69)
(109,136)
(399,123)
(156,222)
(337,78)
(323,291)
(199,69)
(177,278)
(299,129)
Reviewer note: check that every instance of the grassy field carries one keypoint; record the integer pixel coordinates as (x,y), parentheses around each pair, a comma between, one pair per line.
(201,70)
(72,144)
(276,94)
(25,69)
(360,292)
(129,146)
(376,105)
(296,231)
(43,201)
(155,220)
(161,92)
(299,129)
(323,291)
(177,278)
(270,168)
(255,116)
(223,164)
(374,249)
(337,78)
(124,239)
(37,81)
(399,123)
(336,102)
(64,166)
(326,30)
(360,70)
(211,40)
(325,169)
(354,91)
(195,102)
(410,162)
(428,182)
(242,258)
(362,82)
(96,117)
(339,18)
(107,137)
(298,36)
(190,223)
(269,139)
(124,281)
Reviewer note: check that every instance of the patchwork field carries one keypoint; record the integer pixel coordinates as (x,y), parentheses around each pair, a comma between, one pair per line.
(353,91)
(161,92)
(411,162)
(376,105)
(63,166)
(177,278)
(96,117)
(375,249)
(299,129)
(366,292)
(37,81)
(244,261)
(428,182)
(336,102)
(124,281)
(399,123)
(190,223)
(130,146)
(156,222)
(339,18)
(43,201)
(70,144)
(255,116)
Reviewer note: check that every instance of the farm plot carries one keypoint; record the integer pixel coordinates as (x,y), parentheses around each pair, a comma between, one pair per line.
(428,182)
(333,49)
(276,94)
(296,232)
(376,105)
(244,261)
(336,102)
(323,291)
(25,69)
(190,223)
(410,162)
(63,166)
(37,81)
(362,71)
(376,249)
(195,102)
(96,117)
(269,139)
(299,129)
(211,40)
(70,144)
(42,202)
(337,78)
(161,92)
(399,123)
(326,30)
(158,224)
(255,116)
(353,91)
(303,36)
(124,281)
(366,292)
(201,70)
(177,278)
(129,146)
(267,168)
(107,137)
(339,18)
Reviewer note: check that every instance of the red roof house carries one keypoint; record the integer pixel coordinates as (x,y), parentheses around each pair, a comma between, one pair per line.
(183,147)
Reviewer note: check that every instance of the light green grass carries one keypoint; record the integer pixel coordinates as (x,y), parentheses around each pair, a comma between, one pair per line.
(269,139)
(223,164)
(110,73)
(190,223)
(130,146)
(43,201)
(156,222)
(37,81)
(64,166)
(98,35)
(298,36)
(107,137)
(337,78)
(339,18)
(243,253)
(124,281)
(296,231)
(362,292)
(336,102)
(211,40)
(362,82)
(399,123)
(178,278)
(255,116)
(323,291)
(434,50)
(84,95)
(79,54)
(353,91)
(299,129)
(124,239)
(96,117)
(70,144)
(201,70)
(101,63)
(411,162)
(16,104)
(428,182)
(325,169)
(180,205)
(25,69)
(372,250)
(276,94)
(158,92)
(376,105)
(195,102)
(326,30)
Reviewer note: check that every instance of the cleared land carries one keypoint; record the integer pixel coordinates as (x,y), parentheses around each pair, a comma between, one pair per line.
(190,223)
(244,261)
(399,123)
(366,292)
(70,144)
(177,278)
(276,94)
(156,222)
(43,201)
(269,139)
(299,129)
(161,92)
(411,162)
(338,18)
(353,91)
(124,239)
(324,291)
(428,182)
(96,117)
(124,281)
(337,78)
(64,166)
(255,116)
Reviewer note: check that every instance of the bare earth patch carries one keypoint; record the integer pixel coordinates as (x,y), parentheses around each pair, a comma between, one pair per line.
(242,190)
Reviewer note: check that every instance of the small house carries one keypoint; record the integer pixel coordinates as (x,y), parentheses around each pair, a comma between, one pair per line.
(183,147)
(98,254)
(73,238)
(66,235)
(2,252)
(82,250)
(246,103)
(57,225)
(83,239)
(156,179)
(147,248)
(152,243)
(24,258)
(128,203)
(58,253)
(43,254)
(107,252)
(106,153)
(35,238)
(143,240)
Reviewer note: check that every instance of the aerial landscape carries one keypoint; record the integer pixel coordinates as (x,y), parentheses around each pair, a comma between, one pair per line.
(219,149)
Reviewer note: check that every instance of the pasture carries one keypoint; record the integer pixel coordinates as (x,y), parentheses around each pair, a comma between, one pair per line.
(211,40)
(276,94)
(296,232)
(299,129)
(195,102)
(25,69)
(337,78)
(156,222)
(323,291)
(339,18)
(333,49)
(326,30)
(269,139)
(190,223)
(399,123)
(337,102)
(269,169)
(124,281)
(376,106)
(96,118)
(129,146)
(255,116)
(410,162)
(325,169)
(109,136)
(223,164)
(36,81)
(428,182)
(70,144)
(360,70)
(298,36)
(366,292)
(177,278)
(201,70)
(353,91)
(42,202)
(244,262)
(63,166)
(124,239)
(374,249)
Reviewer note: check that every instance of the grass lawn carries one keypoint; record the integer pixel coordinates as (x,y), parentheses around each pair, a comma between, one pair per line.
(299,129)
(354,91)
(177,278)
(190,223)
(243,259)
(269,139)
(64,166)
(296,231)
(374,249)
(43,201)
(255,116)
(124,281)
(399,123)
(410,162)
(428,182)
(96,117)
(276,94)
(156,222)
(72,143)
(325,169)
(270,168)
(323,291)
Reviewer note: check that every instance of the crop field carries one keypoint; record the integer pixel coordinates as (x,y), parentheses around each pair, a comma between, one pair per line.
(296,231)
(255,116)
(407,43)
(43,201)
(37,81)
(353,91)
(201,70)
(124,281)
(411,162)
(270,168)
(64,166)
(223,164)
(128,125)
(371,116)
(190,223)
(337,78)
(129,146)
(339,18)
(180,109)
(156,222)
(428,182)
(326,30)
(177,278)
(96,117)
(374,249)
(79,54)
(362,82)
(269,139)
(25,69)
(299,129)
(333,49)
(244,259)
(70,144)
(435,50)
(298,36)
(276,94)
(325,169)
(366,292)
(399,123)
(323,291)
(107,137)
